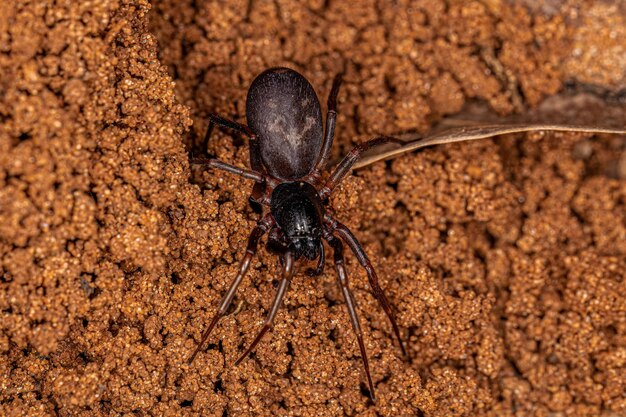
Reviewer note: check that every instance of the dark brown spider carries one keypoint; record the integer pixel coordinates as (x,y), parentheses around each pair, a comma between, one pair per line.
(288,150)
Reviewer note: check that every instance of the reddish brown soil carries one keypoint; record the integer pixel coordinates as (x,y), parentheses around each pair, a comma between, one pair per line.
(505,259)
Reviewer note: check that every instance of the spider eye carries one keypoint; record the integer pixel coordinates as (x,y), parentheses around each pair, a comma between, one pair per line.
(307,247)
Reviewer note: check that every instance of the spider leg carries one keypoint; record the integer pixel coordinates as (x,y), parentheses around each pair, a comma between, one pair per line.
(288,272)
(253,241)
(349,160)
(216,163)
(254,174)
(342,276)
(215,119)
(331,118)
(358,251)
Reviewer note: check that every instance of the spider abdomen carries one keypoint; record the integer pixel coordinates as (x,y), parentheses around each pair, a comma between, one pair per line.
(284,112)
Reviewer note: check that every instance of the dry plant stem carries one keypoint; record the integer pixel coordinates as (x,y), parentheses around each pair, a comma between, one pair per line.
(409,142)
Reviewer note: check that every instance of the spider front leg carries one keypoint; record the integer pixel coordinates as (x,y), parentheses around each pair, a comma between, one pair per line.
(262,227)
(288,271)
(215,119)
(342,276)
(331,118)
(347,236)
(349,160)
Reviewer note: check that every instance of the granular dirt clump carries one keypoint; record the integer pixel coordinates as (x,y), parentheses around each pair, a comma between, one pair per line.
(504,259)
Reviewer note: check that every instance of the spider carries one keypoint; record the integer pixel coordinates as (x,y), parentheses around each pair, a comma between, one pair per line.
(289,148)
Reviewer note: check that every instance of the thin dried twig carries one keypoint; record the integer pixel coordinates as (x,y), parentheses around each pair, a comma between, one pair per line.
(462,134)
(583,113)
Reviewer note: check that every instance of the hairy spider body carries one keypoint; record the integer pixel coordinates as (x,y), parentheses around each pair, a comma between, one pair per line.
(288,149)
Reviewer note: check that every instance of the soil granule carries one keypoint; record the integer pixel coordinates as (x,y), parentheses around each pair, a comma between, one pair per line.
(504,258)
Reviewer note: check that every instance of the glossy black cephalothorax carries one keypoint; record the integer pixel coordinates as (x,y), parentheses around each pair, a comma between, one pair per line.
(289,148)
(299,212)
